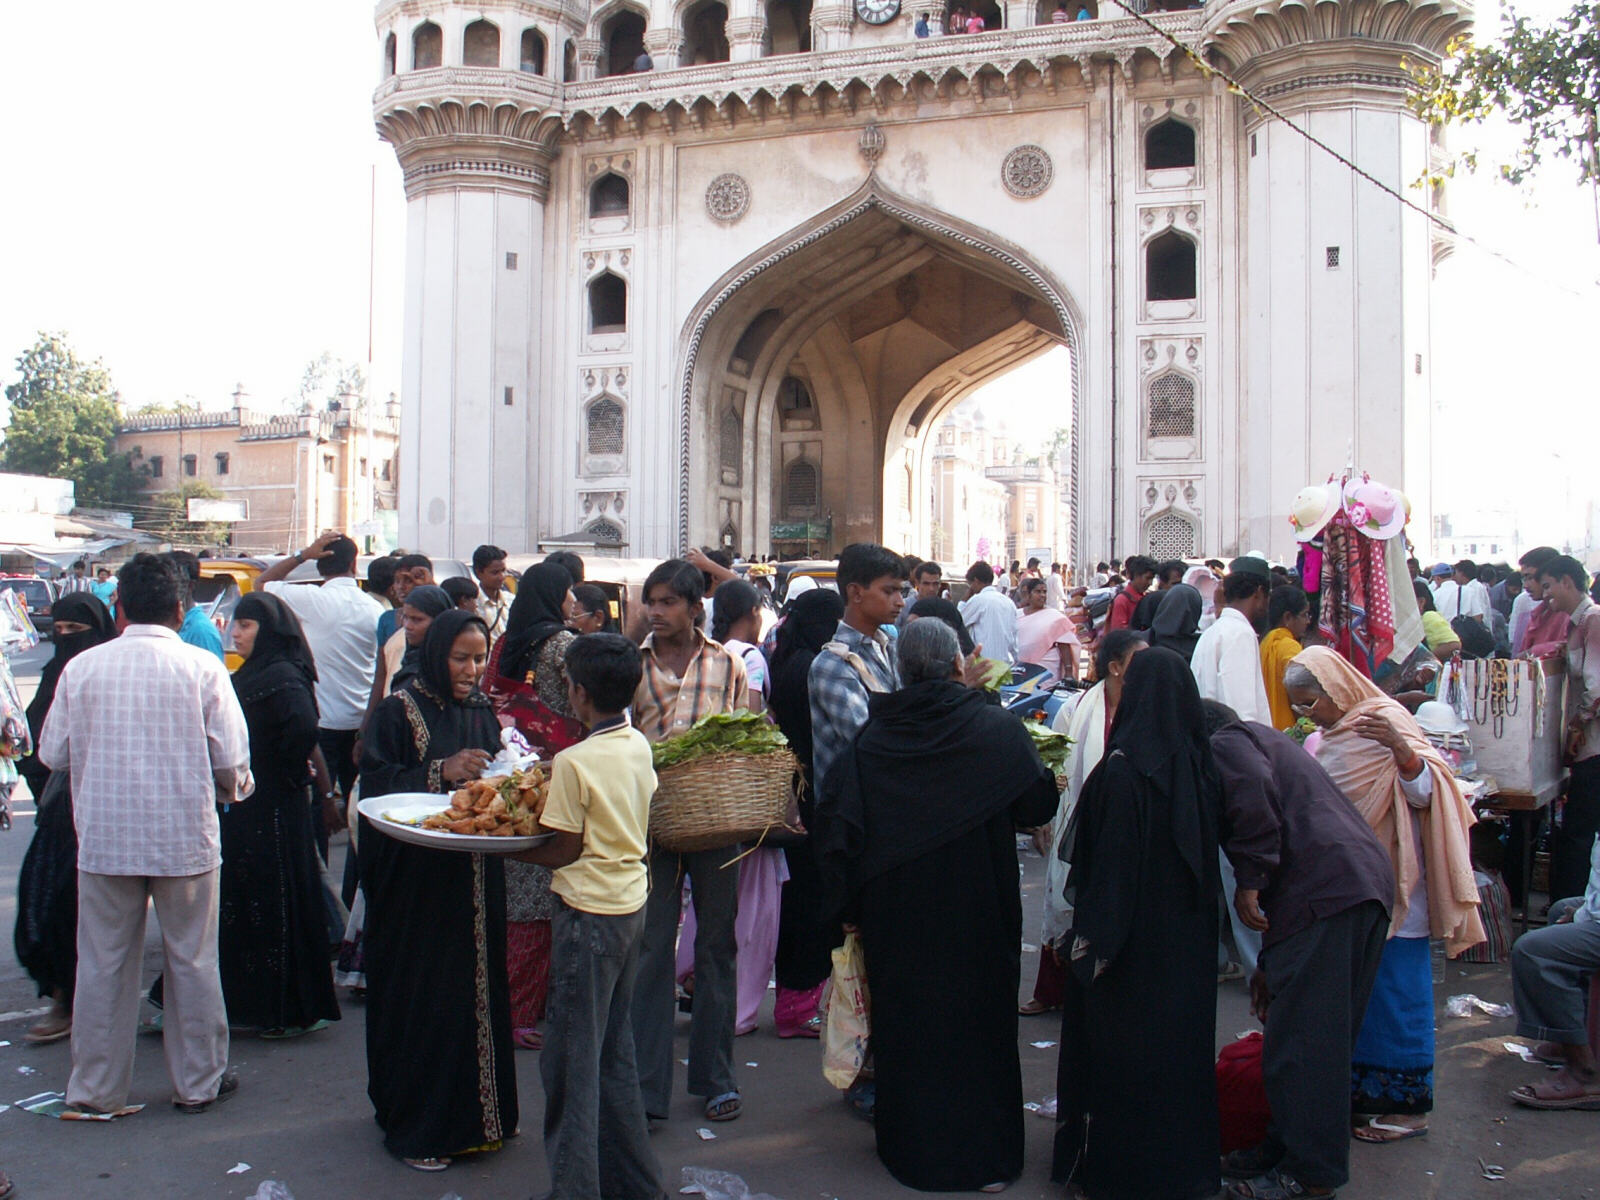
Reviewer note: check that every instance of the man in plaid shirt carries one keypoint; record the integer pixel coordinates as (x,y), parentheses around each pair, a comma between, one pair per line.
(686,676)
(869,578)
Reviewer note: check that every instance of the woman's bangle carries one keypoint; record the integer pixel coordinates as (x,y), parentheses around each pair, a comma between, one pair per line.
(1409,768)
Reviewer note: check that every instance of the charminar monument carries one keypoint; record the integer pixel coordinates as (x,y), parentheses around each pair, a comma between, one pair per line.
(695,273)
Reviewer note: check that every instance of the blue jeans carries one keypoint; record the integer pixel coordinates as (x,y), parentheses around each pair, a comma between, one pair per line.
(595,1137)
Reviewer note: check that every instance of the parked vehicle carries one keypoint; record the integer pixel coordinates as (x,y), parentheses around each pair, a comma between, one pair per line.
(38,596)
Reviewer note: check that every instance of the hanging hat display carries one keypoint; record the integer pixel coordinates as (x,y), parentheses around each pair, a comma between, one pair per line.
(1374,510)
(1312,509)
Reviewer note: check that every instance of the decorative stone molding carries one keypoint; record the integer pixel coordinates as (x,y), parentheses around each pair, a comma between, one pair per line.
(872,144)
(1242,30)
(1296,54)
(1008,61)
(1167,502)
(728,198)
(1027,172)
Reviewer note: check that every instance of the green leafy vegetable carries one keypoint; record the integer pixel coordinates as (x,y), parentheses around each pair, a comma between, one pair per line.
(1053,748)
(995,674)
(741,732)
(1302,728)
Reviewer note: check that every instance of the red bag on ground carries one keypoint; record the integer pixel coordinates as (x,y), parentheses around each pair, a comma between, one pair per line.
(1242,1094)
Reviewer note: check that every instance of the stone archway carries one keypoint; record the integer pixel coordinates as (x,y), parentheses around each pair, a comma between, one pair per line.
(887,314)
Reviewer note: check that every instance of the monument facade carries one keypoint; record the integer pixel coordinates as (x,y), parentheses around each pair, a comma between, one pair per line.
(682,273)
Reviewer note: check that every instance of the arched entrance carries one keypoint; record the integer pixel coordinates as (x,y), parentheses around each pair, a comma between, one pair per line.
(817,370)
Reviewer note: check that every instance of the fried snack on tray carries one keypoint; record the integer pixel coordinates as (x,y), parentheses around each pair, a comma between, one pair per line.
(506,806)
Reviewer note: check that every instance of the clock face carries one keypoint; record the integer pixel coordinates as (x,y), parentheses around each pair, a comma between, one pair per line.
(877,12)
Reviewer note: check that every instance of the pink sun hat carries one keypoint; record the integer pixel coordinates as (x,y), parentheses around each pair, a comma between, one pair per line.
(1377,511)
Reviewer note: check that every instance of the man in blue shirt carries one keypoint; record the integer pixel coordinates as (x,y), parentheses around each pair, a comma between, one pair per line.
(197,628)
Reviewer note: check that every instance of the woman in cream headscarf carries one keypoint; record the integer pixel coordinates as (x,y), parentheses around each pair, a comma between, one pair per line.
(1380,758)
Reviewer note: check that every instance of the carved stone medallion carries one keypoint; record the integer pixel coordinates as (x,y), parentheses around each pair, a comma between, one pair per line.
(728,198)
(1027,172)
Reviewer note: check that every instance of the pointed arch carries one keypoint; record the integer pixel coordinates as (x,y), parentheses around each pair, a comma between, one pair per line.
(937,226)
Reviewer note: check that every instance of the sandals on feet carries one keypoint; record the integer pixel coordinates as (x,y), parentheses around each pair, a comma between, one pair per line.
(527,1039)
(52,1029)
(1377,1132)
(725,1107)
(1561,1091)
(1036,1008)
(1251,1162)
(426,1164)
(1275,1185)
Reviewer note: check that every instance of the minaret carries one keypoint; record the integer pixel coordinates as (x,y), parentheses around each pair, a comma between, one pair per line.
(468,119)
(1337,272)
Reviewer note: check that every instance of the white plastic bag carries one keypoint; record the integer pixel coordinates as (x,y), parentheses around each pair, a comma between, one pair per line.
(848,1023)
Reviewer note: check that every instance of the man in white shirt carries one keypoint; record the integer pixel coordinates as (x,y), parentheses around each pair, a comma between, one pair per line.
(1463,594)
(1056,588)
(1227,658)
(341,626)
(989,615)
(154,738)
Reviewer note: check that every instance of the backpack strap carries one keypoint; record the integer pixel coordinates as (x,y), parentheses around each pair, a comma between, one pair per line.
(858,663)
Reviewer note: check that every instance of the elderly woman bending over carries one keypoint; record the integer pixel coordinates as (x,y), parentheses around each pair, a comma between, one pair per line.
(1379,757)
(927,857)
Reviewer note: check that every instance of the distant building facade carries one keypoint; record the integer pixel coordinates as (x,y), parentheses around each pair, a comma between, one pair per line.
(297,474)
(735,295)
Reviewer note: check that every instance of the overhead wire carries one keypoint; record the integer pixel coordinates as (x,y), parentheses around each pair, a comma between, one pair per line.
(1268,108)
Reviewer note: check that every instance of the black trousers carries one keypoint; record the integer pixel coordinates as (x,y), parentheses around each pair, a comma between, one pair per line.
(1572,843)
(337,747)
(1320,980)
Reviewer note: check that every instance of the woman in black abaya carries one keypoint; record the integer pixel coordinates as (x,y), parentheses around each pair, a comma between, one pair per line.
(929,855)
(1137,1084)
(272,939)
(805,937)
(439,1069)
(46,936)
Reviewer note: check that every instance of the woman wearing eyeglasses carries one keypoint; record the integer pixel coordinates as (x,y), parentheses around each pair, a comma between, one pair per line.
(1380,758)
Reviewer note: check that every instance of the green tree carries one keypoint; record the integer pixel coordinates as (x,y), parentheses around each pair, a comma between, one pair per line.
(166,514)
(327,378)
(1544,79)
(63,417)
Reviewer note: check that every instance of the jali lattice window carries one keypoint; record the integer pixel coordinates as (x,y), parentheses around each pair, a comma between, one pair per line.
(1171,406)
(605,533)
(800,487)
(604,430)
(1170,536)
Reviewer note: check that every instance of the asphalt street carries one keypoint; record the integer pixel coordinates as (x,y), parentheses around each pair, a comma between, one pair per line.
(302,1117)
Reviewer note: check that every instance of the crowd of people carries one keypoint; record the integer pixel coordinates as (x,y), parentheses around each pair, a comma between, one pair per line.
(1189,838)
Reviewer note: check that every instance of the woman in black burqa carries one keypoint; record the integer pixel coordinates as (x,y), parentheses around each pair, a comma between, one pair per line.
(46,936)
(1136,1088)
(918,829)
(272,938)
(806,937)
(439,1056)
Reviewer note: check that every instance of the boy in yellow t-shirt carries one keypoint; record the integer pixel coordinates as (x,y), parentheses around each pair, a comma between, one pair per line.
(599,809)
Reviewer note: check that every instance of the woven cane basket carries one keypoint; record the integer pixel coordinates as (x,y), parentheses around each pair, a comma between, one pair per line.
(720,800)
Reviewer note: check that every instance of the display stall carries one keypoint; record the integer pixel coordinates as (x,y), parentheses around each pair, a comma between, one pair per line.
(1512,712)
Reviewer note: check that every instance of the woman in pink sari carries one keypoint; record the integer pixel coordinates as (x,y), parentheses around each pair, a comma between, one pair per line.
(1045,635)
(1380,758)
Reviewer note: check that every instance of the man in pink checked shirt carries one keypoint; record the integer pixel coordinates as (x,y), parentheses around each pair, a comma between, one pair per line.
(154,739)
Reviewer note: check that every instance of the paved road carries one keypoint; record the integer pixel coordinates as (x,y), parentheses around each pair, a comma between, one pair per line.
(302,1116)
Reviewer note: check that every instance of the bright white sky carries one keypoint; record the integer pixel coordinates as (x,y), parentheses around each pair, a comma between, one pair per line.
(187,196)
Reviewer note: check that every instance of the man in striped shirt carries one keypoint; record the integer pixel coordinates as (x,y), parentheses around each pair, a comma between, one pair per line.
(686,676)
